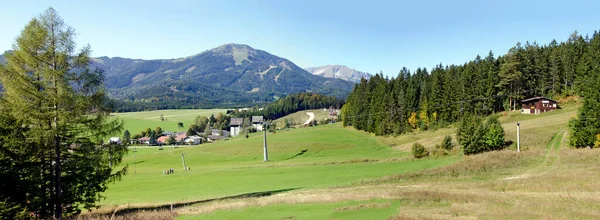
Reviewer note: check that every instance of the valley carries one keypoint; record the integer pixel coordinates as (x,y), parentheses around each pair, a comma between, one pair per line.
(336,171)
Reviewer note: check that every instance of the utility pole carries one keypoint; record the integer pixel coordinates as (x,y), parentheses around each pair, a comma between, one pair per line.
(183,160)
(518,137)
(134,161)
(266,155)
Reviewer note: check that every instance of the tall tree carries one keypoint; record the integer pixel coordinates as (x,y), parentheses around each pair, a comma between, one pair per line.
(510,76)
(586,127)
(61,110)
(126,136)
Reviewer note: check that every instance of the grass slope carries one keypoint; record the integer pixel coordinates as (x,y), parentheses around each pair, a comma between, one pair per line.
(357,175)
(300,159)
(138,121)
(299,118)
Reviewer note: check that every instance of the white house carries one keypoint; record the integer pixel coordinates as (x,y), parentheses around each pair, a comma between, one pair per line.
(115,140)
(257,122)
(235,126)
(193,140)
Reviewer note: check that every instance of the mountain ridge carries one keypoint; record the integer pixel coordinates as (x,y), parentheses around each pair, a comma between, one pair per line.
(227,75)
(231,74)
(339,72)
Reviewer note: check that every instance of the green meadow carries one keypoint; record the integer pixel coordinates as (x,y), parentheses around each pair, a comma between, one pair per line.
(305,158)
(332,172)
(138,121)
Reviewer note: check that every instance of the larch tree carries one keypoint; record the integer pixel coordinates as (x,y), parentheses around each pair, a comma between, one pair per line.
(56,110)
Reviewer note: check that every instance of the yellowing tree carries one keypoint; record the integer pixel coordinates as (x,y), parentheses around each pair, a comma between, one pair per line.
(412,120)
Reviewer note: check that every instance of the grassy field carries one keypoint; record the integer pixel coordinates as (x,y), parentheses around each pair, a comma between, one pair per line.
(330,172)
(299,118)
(138,121)
(300,159)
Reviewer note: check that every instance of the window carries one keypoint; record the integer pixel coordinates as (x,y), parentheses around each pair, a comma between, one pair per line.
(544,104)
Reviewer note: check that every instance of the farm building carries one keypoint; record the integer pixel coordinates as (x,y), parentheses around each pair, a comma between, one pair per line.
(180,137)
(257,122)
(115,140)
(538,105)
(219,132)
(212,138)
(162,140)
(235,126)
(193,140)
(144,140)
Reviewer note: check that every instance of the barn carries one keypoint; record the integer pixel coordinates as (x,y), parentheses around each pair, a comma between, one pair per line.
(537,105)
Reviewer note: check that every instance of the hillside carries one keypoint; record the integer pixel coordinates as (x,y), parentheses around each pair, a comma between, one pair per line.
(344,173)
(229,75)
(338,72)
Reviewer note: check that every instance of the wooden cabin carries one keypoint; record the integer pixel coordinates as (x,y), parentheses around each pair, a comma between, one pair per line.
(538,105)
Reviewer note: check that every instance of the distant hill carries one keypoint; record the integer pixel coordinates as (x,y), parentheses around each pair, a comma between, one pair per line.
(338,72)
(226,76)
(2,56)
(229,75)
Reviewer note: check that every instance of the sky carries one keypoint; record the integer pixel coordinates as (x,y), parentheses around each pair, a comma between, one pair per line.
(372,36)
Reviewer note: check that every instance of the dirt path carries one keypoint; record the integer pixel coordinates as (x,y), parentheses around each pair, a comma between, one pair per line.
(311,117)
(550,162)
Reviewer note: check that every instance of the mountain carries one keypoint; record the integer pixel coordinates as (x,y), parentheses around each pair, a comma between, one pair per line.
(226,76)
(229,75)
(338,72)
(2,56)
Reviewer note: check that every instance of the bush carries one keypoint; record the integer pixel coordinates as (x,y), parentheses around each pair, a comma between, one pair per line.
(478,137)
(419,151)
(447,143)
(438,151)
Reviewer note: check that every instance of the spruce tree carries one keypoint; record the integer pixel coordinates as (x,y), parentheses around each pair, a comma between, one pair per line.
(58,106)
(586,127)
(126,136)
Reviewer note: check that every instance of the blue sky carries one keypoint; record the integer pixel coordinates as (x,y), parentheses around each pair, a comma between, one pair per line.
(370,36)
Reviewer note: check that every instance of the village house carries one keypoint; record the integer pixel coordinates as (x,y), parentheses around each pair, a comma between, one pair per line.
(114,140)
(235,126)
(219,132)
(257,122)
(193,140)
(168,133)
(180,137)
(162,140)
(538,105)
(144,140)
(212,138)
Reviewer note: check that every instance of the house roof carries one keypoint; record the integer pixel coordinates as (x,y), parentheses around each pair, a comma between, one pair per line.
(180,137)
(193,137)
(536,98)
(168,133)
(162,139)
(257,119)
(115,139)
(144,139)
(216,137)
(236,122)
(217,132)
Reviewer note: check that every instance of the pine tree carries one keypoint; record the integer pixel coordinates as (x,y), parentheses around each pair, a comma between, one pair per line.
(510,76)
(59,106)
(126,136)
(586,127)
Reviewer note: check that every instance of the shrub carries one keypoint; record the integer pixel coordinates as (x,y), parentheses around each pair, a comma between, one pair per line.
(478,137)
(438,151)
(419,151)
(447,143)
